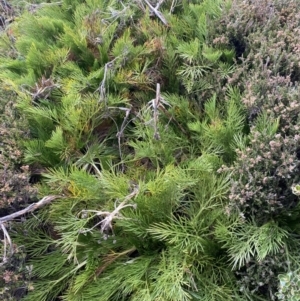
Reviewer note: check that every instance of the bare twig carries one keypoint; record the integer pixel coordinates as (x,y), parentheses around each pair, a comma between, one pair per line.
(44,201)
(157,12)
(156,104)
(115,14)
(120,133)
(159,3)
(42,89)
(6,240)
(173,5)
(101,88)
(106,223)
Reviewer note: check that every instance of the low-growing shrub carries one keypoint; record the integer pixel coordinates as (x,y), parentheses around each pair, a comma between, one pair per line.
(265,35)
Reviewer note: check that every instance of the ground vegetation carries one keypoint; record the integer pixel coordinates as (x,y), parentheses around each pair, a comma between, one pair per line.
(162,142)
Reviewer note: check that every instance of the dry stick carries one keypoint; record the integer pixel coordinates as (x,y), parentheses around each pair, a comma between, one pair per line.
(173,5)
(6,239)
(44,201)
(106,223)
(115,13)
(157,12)
(155,105)
(159,3)
(121,133)
(42,90)
(101,88)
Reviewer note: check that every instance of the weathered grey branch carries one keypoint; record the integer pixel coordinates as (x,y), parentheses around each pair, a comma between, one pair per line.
(44,201)
(173,5)
(109,65)
(106,223)
(6,240)
(157,12)
(155,104)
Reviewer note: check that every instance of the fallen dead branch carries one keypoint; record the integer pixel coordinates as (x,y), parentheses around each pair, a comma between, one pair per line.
(102,90)
(120,133)
(7,240)
(156,11)
(106,222)
(155,105)
(32,207)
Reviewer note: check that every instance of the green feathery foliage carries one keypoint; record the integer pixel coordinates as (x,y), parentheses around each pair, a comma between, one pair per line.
(137,123)
(137,173)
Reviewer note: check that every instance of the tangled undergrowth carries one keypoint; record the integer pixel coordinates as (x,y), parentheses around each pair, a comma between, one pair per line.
(168,133)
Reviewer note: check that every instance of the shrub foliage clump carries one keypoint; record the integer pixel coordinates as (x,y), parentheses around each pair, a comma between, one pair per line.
(267,167)
(169,133)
